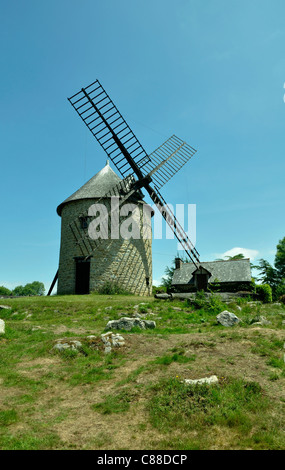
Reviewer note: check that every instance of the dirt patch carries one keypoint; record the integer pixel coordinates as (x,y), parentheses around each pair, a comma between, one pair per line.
(37,368)
(62,329)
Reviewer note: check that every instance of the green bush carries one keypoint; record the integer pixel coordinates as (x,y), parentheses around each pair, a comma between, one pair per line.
(5,291)
(253,286)
(211,304)
(280,290)
(264,292)
(33,288)
(158,289)
(282,299)
(199,301)
(111,288)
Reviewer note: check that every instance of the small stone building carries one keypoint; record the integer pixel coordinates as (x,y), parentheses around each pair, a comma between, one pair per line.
(124,262)
(223,276)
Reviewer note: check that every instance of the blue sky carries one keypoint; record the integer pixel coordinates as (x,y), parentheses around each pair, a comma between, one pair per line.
(211,72)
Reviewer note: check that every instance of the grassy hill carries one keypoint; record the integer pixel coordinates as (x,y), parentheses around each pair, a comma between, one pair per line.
(135,397)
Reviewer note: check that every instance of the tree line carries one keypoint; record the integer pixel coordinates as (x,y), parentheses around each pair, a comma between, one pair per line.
(33,288)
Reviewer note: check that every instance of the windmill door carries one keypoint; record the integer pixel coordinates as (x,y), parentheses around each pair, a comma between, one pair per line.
(82,277)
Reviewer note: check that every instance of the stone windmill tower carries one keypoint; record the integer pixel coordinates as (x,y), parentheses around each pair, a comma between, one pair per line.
(125,262)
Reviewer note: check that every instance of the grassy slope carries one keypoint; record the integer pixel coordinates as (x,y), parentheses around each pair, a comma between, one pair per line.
(134,397)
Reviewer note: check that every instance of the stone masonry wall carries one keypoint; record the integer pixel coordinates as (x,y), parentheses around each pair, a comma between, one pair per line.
(125,262)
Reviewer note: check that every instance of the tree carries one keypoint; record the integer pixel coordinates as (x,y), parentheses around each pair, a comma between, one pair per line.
(279,261)
(4,291)
(239,256)
(169,271)
(34,288)
(268,274)
(19,291)
(230,258)
(274,275)
(280,290)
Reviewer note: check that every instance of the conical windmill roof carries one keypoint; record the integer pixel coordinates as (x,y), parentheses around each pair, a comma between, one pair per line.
(96,187)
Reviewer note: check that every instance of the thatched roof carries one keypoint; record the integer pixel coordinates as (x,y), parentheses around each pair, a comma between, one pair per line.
(96,187)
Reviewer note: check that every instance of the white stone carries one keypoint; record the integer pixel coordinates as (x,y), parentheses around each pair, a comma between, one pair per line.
(76,344)
(262,321)
(110,339)
(73,344)
(2,327)
(61,346)
(206,380)
(125,323)
(226,318)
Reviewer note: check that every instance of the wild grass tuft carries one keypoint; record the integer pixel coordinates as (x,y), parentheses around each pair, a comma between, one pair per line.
(118,403)
(232,403)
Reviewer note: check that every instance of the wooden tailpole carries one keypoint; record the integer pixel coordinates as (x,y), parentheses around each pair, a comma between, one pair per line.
(53,283)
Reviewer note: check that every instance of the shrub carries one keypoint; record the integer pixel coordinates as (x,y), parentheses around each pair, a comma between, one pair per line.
(111,288)
(253,286)
(280,290)
(158,289)
(264,292)
(282,299)
(34,288)
(199,301)
(5,291)
(216,304)
(211,303)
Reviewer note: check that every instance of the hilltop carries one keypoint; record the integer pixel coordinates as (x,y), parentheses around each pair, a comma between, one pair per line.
(135,397)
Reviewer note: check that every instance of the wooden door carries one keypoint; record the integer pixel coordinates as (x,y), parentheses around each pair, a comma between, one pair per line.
(82,277)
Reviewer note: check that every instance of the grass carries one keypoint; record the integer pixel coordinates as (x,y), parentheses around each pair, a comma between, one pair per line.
(118,403)
(229,404)
(135,397)
(180,358)
(232,405)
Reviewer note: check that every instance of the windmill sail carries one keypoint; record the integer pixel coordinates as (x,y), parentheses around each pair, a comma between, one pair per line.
(107,125)
(167,160)
(105,122)
(175,226)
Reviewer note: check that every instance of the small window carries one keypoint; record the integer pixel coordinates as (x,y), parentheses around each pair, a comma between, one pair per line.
(147,281)
(84,221)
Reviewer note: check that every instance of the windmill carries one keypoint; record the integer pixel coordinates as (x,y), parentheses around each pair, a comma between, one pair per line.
(137,169)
